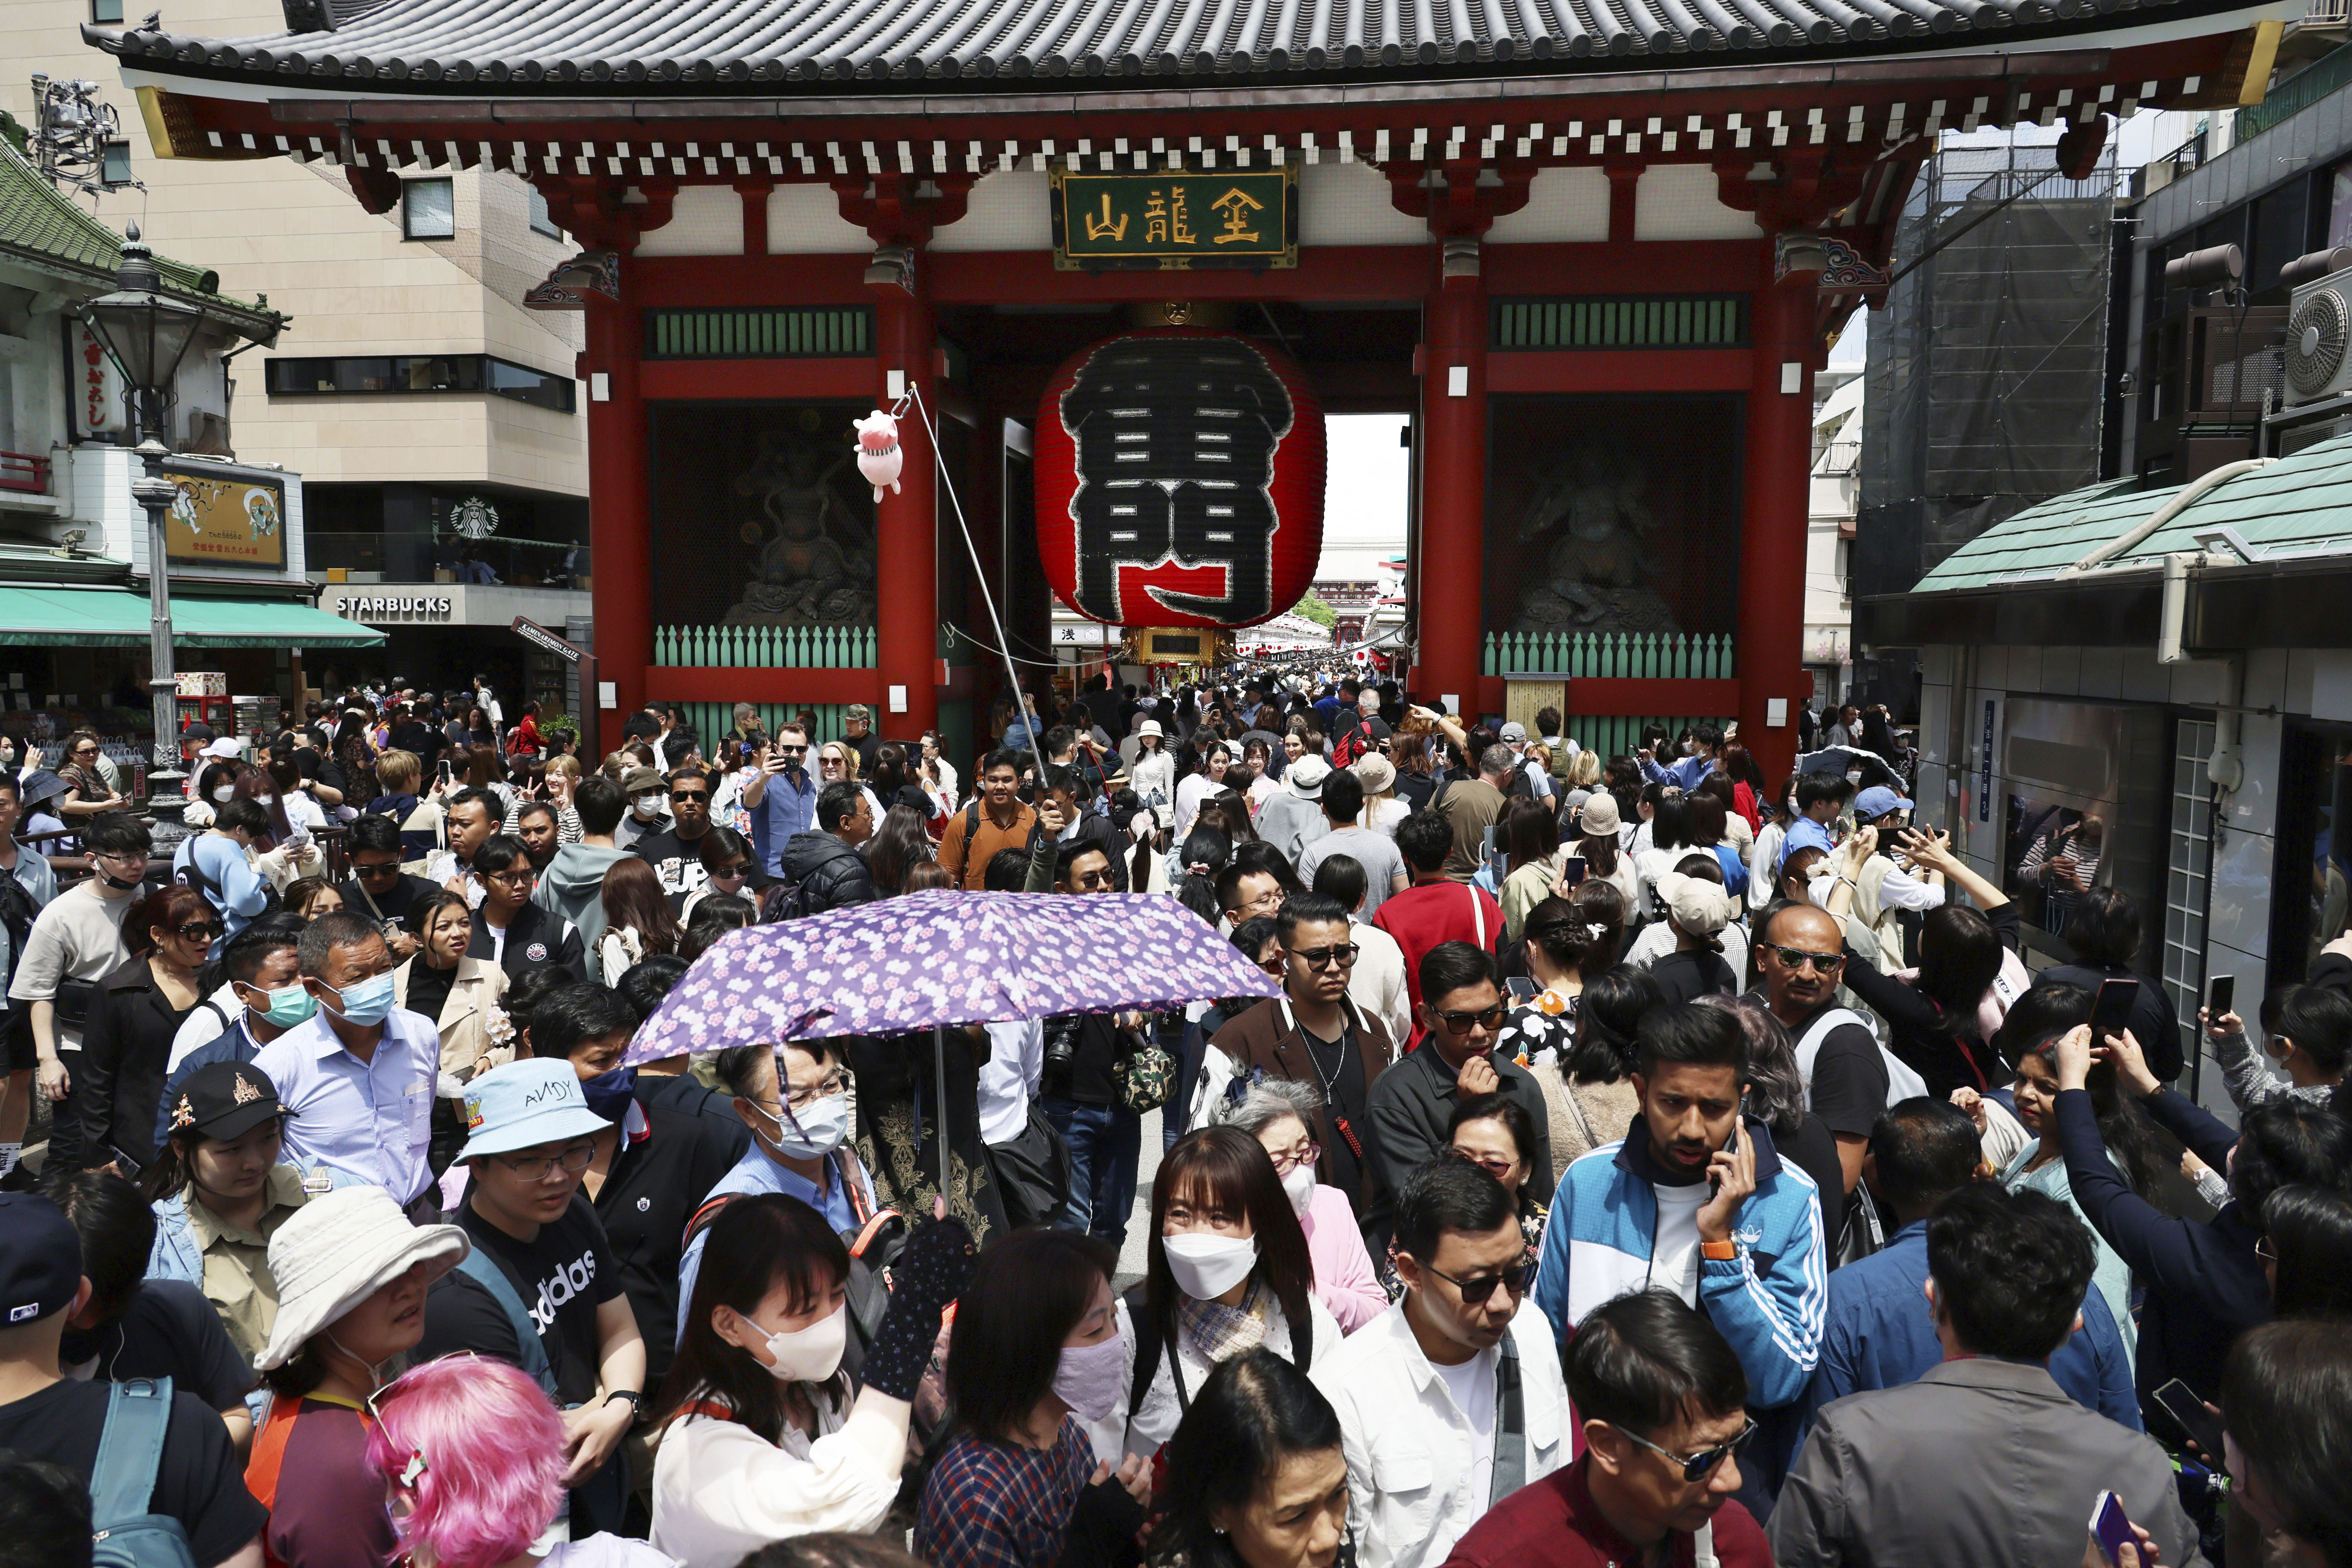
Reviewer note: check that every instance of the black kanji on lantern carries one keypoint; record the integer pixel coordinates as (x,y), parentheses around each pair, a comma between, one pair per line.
(1176,439)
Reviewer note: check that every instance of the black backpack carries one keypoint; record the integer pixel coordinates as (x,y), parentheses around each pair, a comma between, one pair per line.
(1148,1345)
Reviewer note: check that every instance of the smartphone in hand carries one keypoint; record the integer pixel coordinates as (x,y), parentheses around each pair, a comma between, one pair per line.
(1572,870)
(2220,997)
(2188,1413)
(2112,1527)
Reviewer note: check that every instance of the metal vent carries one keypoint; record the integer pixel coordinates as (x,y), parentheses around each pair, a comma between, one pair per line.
(2315,340)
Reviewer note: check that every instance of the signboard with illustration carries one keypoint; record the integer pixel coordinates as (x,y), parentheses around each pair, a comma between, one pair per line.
(225,519)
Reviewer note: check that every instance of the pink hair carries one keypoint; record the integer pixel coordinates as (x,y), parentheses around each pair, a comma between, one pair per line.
(492,1447)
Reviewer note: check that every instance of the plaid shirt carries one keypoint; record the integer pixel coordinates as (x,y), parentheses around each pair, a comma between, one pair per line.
(990,1505)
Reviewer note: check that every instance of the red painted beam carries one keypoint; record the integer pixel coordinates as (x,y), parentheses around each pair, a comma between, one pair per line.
(681,380)
(696,684)
(792,278)
(1651,266)
(1620,370)
(1368,274)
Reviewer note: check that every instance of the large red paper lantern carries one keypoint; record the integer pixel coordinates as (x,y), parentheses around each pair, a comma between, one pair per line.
(1180,480)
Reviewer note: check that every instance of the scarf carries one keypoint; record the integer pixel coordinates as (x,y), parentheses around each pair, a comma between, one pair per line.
(1219,1332)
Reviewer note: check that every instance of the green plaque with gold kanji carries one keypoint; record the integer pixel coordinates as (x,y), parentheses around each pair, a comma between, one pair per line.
(1175,220)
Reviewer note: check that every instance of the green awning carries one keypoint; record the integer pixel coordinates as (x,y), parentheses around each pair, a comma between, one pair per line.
(116,617)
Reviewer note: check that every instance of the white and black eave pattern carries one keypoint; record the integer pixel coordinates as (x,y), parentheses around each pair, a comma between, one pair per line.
(1541,142)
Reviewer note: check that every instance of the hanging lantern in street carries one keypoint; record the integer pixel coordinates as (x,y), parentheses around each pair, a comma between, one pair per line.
(1180,480)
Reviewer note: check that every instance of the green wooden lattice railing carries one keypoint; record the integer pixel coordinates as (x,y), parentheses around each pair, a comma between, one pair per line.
(1610,656)
(765,648)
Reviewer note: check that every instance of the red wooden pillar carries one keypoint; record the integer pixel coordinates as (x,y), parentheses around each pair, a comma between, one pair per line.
(1775,503)
(1449,558)
(620,513)
(906,525)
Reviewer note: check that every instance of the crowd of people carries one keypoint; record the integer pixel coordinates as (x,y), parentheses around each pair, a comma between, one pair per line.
(1642,1161)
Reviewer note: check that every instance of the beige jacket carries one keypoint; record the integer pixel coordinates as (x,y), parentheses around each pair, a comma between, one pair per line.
(464,1021)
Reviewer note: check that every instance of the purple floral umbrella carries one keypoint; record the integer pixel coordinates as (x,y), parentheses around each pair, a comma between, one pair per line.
(927,960)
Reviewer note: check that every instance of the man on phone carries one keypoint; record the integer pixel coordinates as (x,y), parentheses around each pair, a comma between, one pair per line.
(780,795)
(1695,1200)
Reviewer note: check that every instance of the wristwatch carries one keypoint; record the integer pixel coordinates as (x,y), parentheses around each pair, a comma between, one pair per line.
(636,1399)
(1721,1251)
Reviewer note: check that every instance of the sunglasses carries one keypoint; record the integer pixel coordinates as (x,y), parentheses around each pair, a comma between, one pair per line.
(1697,1468)
(689,794)
(1339,957)
(1796,958)
(1460,1023)
(1474,1291)
(199,930)
(371,873)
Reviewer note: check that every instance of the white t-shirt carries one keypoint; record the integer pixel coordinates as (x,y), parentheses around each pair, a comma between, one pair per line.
(1674,1253)
(1472,1385)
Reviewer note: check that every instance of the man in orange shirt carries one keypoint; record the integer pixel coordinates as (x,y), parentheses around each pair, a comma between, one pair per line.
(997,820)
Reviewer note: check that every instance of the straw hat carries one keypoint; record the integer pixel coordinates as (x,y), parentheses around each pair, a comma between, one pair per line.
(339,1249)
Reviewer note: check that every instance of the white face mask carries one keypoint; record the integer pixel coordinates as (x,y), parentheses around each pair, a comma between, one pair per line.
(1091,1377)
(1206,1264)
(223,793)
(1299,1183)
(648,805)
(811,1354)
(824,1127)
(265,799)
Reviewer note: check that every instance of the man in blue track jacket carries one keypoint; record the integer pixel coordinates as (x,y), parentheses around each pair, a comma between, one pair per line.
(1694,1200)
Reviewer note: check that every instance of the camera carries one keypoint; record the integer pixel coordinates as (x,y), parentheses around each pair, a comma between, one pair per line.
(1061,1043)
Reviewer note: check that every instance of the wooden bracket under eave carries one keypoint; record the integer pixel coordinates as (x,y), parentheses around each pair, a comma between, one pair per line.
(2243,77)
(173,131)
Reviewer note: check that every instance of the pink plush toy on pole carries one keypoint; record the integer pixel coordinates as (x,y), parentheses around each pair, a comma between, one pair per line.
(878,456)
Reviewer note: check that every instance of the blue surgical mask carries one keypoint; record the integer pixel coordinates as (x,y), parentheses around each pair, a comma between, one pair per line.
(365,1001)
(608,1093)
(288,1006)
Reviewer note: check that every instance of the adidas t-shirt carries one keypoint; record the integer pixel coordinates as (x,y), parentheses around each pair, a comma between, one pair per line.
(562,1277)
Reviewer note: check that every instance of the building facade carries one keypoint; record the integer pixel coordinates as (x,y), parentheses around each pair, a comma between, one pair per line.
(2178,713)
(74,621)
(413,390)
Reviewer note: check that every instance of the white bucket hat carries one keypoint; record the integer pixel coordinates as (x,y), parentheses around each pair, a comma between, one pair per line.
(339,1249)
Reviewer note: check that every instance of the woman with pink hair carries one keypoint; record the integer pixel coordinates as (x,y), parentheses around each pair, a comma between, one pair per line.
(472,1456)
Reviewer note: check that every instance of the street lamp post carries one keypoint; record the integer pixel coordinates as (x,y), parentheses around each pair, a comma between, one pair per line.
(148,333)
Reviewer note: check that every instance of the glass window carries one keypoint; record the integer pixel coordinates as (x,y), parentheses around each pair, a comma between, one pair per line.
(428,210)
(541,220)
(117,168)
(106,11)
(2311,901)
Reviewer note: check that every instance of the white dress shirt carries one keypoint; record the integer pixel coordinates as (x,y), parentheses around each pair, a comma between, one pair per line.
(1414,1489)
(1008,1080)
(372,1119)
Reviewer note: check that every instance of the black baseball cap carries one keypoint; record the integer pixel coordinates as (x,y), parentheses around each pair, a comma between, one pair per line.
(197,733)
(40,1259)
(225,1100)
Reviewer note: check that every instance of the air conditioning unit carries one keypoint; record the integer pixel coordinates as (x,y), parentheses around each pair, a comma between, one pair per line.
(2319,334)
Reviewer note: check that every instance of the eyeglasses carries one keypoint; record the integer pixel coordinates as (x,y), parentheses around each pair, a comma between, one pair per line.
(85,751)
(2264,1250)
(1697,1468)
(1286,1163)
(802,1098)
(1274,966)
(123,857)
(1795,958)
(1474,1291)
(1460,1023)
(519,878)
(371,873)
(539,1167)
(199,930)
(731,874)
(1339,957)
(689,794)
